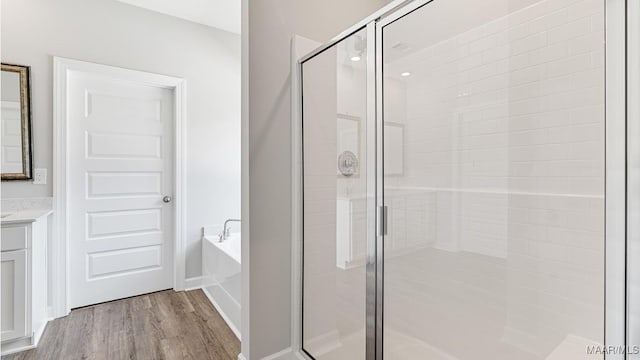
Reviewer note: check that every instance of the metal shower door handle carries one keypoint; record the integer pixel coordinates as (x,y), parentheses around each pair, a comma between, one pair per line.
(383,215)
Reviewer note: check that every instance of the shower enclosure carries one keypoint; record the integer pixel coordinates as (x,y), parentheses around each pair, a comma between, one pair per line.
(463,183)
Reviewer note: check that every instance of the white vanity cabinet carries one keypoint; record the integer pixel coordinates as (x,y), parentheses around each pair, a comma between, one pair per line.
(14,294)
(23,288)
(411,224)
(351,232)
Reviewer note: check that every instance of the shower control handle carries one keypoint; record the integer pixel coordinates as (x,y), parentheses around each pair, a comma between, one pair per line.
(166,199)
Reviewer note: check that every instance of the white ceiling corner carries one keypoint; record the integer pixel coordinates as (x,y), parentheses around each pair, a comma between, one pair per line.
(221,14)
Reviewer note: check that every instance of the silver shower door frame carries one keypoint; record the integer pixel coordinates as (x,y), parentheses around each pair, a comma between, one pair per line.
(374,192)
(633,175)
(617,298)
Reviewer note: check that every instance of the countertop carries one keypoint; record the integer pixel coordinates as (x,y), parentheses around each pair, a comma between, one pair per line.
(23,216)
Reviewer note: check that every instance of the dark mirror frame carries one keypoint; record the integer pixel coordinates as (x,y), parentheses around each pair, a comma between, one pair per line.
(25,122)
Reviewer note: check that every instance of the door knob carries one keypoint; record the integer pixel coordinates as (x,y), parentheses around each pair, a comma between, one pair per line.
(166,199)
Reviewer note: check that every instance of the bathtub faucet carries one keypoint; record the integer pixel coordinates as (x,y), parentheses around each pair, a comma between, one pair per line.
(226,230)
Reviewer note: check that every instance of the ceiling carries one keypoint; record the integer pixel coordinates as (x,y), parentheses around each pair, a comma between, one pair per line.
(221,14)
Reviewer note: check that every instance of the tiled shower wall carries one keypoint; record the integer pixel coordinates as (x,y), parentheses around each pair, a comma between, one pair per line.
(515,106)
(504,138)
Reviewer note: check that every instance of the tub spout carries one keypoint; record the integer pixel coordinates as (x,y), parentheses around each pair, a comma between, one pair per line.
(226,230)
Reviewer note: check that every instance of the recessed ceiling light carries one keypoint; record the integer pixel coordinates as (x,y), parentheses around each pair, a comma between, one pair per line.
(355,58)
(405,74)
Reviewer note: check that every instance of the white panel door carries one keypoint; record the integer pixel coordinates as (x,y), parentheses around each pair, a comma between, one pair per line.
(120,168)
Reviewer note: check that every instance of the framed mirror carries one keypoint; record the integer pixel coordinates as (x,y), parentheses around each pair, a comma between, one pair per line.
(15,116)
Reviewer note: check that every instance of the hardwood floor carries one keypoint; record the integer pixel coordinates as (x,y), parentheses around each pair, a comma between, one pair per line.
(162,325)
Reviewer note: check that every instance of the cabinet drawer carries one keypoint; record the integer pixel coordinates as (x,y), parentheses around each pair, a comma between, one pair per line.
(14,237)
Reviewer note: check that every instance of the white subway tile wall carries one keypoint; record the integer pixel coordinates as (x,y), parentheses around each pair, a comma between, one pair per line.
(496,245)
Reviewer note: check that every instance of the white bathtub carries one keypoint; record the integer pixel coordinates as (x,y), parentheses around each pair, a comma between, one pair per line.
(222,272)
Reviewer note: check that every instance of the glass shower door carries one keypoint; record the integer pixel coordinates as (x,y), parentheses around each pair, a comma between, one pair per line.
(335,216)
(494,154)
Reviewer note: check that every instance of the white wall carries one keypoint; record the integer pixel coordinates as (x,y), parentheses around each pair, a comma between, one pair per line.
(271,25)
(112,33)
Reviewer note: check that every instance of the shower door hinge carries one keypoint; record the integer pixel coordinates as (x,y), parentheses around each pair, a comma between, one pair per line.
(383,214)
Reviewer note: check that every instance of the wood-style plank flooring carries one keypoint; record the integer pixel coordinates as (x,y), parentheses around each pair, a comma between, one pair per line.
(162,325)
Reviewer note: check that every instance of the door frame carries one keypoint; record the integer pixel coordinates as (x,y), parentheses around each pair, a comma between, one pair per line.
(617,302)
(60,244)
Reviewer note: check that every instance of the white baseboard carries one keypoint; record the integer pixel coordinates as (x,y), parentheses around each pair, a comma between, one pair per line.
(37,335)
(324,343)
(25,344)
(286,354)
(299,355)
(194,283)
(224,316)
(18,345)
(17,349)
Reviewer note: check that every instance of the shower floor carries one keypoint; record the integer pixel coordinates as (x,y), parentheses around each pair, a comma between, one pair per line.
(456,305)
